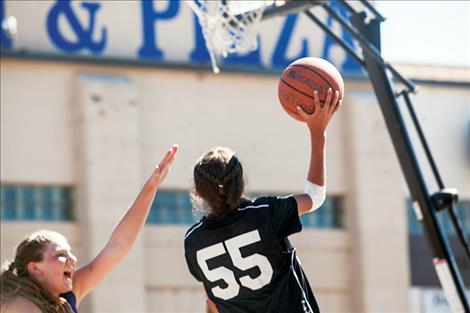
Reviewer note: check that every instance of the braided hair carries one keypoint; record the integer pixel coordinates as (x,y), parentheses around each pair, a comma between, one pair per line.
(15,280)
(218,180)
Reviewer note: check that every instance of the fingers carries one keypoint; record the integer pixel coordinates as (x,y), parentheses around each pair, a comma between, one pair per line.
(334,104)
(304,115)
(168,159)
(330,105)
(329,95)
(337,105)
(172,152)
(316,100)
(162,169)
(316,104)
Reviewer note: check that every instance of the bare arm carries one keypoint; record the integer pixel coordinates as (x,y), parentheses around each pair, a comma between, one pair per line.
(317,123)
(124,234)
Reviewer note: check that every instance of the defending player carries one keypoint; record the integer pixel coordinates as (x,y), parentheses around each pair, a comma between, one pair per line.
(42,277)
(239,250)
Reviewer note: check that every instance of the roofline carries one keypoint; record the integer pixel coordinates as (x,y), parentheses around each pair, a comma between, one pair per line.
(126,62)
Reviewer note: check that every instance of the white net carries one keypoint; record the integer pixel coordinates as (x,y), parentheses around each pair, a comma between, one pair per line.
(228,26)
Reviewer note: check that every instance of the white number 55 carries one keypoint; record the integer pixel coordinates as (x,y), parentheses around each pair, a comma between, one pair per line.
(243,263)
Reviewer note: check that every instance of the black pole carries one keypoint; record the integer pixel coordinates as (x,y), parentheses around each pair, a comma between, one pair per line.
(372,9)
(459,229)
(419,130)
(366,46)
(368,36)
(443,259)
(290,7)
(343,44)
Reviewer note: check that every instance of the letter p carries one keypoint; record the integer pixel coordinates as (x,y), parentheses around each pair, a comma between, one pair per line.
(150,15)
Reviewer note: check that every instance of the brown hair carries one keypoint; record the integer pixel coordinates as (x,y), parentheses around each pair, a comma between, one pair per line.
(218,180)
(15,280)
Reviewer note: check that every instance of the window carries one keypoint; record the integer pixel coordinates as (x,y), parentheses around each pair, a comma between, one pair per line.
(422,270)
(36,202)
(174,207)
(171,207)
(329,215)
(463,214)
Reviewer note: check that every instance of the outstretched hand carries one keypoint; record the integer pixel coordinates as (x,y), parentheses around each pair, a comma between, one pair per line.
(161,170)
(322,113)
(125,233)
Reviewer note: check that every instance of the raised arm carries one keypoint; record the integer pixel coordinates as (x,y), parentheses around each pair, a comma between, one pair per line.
(317,123)
(124,235)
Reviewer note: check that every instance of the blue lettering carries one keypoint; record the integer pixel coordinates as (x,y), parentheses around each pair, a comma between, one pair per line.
(248,59)
(349,64)
(5,40)
(84,35)
(200,53)
(149,47)
(279,58)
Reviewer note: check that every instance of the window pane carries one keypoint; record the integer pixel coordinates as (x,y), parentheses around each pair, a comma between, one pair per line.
(462,211)
(414,226)
(47,203)
(63,204)
(9,202)
(329,215)
(30,202)
(308,220)
(171,207)
(463,214)
(174,207)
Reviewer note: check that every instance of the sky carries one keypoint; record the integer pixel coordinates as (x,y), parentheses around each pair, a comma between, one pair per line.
(426,32)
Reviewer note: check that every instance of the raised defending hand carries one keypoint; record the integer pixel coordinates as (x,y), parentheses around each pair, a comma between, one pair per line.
(161,170)
(322,113)
(125,233)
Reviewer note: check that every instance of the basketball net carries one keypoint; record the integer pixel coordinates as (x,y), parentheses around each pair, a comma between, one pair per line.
(228,26)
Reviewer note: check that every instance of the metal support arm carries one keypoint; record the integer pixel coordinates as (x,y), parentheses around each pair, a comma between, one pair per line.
(443,259)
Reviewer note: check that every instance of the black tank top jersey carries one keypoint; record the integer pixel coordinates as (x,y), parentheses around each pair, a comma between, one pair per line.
(245,261)
(71,299)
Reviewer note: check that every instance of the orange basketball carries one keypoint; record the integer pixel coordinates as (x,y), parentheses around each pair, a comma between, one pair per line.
(301,78)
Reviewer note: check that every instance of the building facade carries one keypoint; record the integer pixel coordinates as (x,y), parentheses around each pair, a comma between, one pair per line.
(85,119)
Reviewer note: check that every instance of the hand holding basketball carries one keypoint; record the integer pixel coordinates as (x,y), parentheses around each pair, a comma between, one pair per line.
(322,112)
(301,78)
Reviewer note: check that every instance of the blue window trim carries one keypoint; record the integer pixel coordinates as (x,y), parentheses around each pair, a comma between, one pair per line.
(28,202)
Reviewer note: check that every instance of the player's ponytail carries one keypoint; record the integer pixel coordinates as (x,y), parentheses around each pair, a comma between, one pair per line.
(218,180)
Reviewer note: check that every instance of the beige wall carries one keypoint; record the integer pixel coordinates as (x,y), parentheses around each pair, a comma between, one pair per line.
(53,131)
(169,286)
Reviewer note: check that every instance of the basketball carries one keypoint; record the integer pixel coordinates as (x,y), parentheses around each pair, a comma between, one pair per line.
(301,78)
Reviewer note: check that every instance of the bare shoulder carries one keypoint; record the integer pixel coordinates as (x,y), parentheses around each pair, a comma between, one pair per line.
(19,305)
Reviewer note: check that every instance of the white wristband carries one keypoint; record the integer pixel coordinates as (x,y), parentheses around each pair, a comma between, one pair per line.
(316,193)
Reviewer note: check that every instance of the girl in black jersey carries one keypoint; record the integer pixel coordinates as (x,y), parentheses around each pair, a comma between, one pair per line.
(42,277)
(239,249)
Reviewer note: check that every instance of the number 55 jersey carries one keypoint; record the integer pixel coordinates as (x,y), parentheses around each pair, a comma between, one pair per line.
(246,262)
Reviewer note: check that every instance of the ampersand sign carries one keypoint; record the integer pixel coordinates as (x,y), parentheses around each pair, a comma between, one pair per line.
(84,34)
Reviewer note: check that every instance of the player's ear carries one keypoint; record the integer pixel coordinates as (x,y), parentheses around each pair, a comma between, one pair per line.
(34,269)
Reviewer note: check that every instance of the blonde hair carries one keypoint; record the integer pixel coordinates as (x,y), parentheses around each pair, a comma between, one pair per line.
(15,280)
